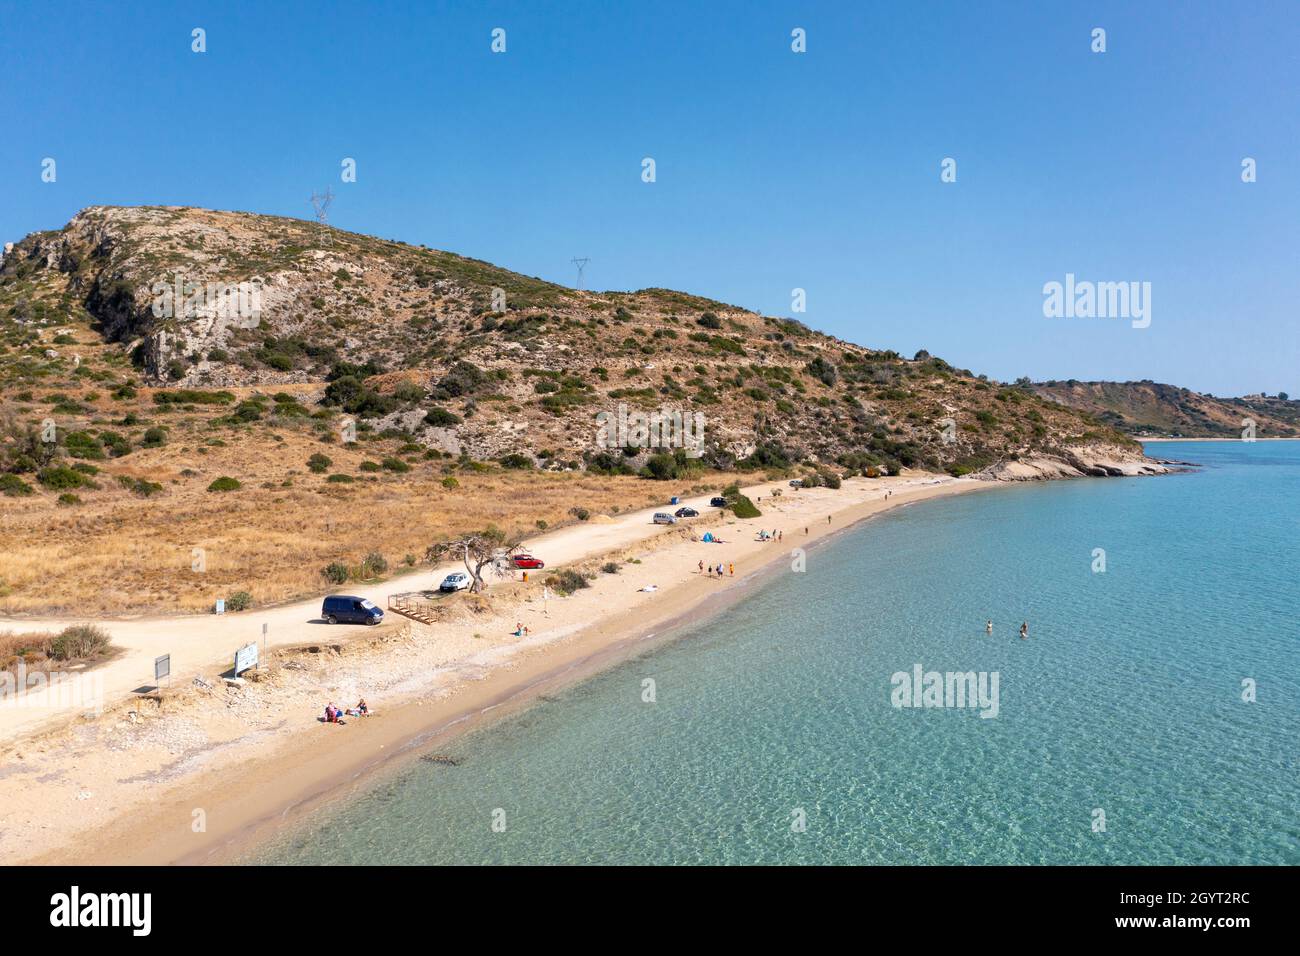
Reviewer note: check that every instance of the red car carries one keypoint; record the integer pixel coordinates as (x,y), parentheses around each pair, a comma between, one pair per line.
(527,562)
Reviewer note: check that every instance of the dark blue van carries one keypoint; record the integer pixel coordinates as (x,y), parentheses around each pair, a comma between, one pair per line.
(345,609)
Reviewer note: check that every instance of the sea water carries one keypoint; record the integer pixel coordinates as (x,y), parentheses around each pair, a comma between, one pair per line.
(1152,716)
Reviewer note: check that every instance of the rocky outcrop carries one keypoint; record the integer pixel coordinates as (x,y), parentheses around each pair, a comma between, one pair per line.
(1086,461)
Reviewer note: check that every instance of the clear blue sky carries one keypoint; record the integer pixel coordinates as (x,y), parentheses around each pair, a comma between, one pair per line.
(775,170)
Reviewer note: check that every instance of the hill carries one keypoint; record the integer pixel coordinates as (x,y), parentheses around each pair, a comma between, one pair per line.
(1149,409)
(292,395)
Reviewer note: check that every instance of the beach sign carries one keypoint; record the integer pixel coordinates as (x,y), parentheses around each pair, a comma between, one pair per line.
(162,667)
(245,658)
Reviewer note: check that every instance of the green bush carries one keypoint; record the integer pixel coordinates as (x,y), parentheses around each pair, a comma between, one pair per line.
(224,483)
(516,461)
(610,567)
(14,487)
(450,483)
(60,478)
(396,465)
(582,514)
(239,601)
(742,507)
(441,418)
(318,463)
(335,573)
(567,581)
(154,437)
(139,486)
(68,499)
(340,479)
(374,564)
(79,642)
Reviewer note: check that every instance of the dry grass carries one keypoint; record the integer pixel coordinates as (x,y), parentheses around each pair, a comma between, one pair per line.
(121,554)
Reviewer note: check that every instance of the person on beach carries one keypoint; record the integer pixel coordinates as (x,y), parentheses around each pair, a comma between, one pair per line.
(828,519)
(363,709)
(519,629)
(731,569)
(782,537)
(701,567)
(988,628)
(1024,630)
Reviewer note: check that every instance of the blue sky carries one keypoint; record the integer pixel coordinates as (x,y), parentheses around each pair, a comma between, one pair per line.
(775,170)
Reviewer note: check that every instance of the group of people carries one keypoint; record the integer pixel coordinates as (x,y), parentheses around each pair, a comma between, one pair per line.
(773,535)
(719,569)
(520,630)
(335,715)
(1024,629)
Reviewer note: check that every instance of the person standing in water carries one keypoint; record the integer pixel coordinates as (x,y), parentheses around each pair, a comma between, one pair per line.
(1024,630)
(988,628)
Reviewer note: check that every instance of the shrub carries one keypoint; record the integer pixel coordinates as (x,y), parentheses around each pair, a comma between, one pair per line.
(516,461)
(709,321)
(450,483)
(441,418)
(60,478)
(139,486)
(239,601)
(742,507)
(340,479)
(610,567)
(396,465)
(582,514)
(14,487)
(78,642)
(318,463)
(334,572)
(224,483)
(371,466)
(69,499)
(154,437)
(374,564)
(567,581)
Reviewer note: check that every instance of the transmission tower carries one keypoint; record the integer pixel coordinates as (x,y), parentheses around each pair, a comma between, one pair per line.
(581,263)
(320,204)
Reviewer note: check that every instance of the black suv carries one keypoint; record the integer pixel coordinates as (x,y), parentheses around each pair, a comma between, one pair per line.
(719,502)
(686,513)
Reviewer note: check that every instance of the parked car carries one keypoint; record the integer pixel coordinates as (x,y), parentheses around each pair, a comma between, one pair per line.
(527,562)
(456,581)
(346,609)
(718,502)
(662,517)
(796,483)
(686,513)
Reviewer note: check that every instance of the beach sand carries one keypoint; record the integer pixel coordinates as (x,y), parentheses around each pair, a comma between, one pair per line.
(206,773)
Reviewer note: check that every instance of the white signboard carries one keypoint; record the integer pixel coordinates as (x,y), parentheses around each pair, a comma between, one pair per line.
(245,658)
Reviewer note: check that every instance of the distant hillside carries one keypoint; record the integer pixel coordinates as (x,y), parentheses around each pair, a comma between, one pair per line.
(1149,409)
(443,359)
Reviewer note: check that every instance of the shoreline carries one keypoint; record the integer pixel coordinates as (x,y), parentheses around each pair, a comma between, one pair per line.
(299,772)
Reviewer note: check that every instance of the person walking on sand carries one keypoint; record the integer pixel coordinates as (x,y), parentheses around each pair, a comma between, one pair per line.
(828,519)
(1024,630)
(701,567)
(731,569)
(782,535)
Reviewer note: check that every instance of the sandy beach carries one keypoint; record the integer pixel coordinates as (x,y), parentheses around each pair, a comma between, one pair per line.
(204,773)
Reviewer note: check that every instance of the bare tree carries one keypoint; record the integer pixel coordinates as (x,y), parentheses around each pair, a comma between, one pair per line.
(478,550)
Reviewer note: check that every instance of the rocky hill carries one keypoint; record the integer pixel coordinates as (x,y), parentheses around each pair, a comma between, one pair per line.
(130,327)
(1149,409)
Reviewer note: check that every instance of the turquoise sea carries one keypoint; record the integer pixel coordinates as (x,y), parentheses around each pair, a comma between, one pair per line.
(773,739)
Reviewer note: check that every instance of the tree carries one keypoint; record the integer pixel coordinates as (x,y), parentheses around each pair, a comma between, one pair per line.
(478,550)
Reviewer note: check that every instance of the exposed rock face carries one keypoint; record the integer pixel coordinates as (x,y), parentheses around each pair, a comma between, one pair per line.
(1092,461)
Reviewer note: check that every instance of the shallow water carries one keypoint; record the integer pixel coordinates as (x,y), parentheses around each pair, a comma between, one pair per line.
(1126,699)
